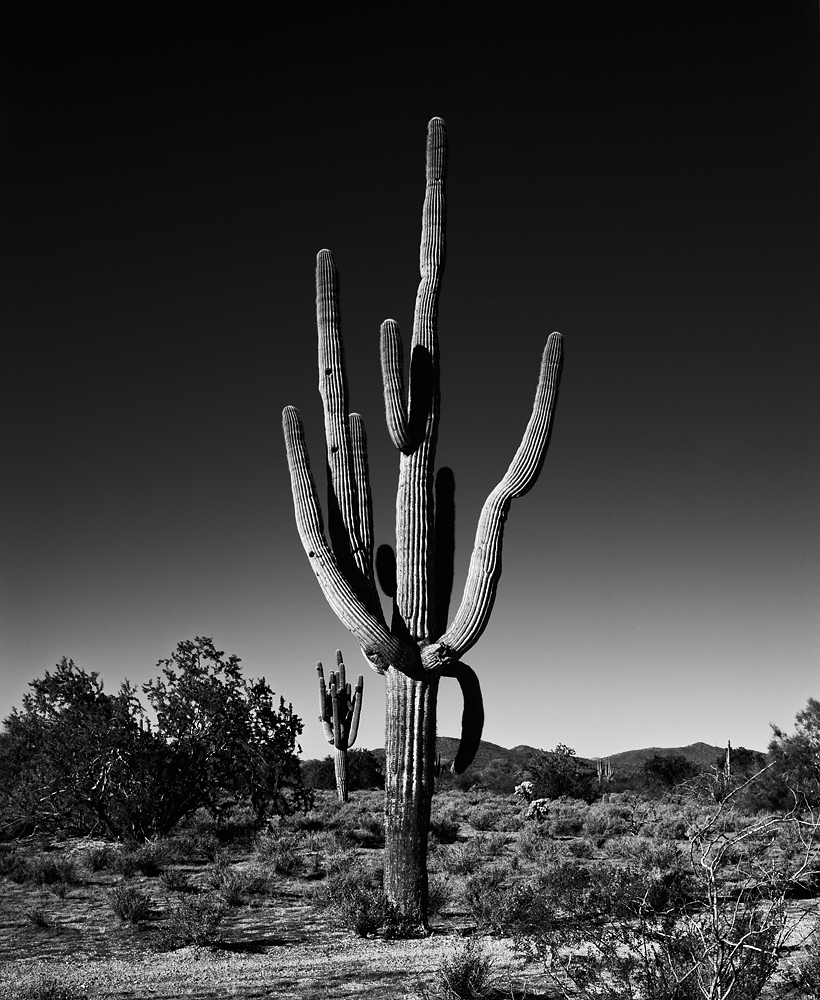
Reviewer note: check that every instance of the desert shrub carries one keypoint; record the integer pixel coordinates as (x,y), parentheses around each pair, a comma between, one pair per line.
(439,894)
(566,817)
(581,848)
(351,892)
(485,894)
(369,832)
(483,818)
(463,859)
(467,973)
(278,851)
(535,845)
(129,903)
(604,820)
(194,921)
(36,916)
(196,844)
(444,826)
(150,858)
(44,986)
(173,880)
(803,977)
(492,845)
(99,857)
(47,870)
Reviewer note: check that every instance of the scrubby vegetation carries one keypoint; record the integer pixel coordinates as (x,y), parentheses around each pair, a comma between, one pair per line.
(664,894)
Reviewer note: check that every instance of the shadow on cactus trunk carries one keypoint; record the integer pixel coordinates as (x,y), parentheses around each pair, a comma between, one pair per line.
(418,647)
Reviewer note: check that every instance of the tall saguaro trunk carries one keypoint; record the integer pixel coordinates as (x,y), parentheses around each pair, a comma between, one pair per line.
(417,648)
(410,745)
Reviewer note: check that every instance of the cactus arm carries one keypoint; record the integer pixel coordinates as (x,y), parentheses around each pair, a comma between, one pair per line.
(357,711)
(340,670)
(395,407)
(334,698)
(322,691)
(414,500)
(485,563)
(472,717)
(361,472)
(343,501)
(378,645)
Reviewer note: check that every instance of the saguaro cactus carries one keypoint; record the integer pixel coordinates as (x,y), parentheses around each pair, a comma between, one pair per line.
(418,647)
(339,710)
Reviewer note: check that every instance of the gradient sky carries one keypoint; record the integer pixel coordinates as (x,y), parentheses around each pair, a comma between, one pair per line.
(640,177)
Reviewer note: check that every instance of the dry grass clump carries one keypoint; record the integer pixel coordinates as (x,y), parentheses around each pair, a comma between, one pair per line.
(130,903)
(467,973)
(194,921)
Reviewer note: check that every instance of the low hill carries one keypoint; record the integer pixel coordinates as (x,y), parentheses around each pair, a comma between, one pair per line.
(624,765)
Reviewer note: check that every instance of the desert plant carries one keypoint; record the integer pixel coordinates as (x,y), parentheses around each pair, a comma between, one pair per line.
(47,870)
(194,921)
(99,857)
(36,916)
(340,708)
(352,893)
(129,903)
(279,852)
(467,973)
(417,649)
(44,986)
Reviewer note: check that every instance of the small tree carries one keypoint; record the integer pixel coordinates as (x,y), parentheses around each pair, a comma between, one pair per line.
(668,770)
(559,772)
(236,741)
(79,758)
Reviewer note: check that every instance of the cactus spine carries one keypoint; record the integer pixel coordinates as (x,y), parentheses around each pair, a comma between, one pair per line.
(418,647)
(339,710)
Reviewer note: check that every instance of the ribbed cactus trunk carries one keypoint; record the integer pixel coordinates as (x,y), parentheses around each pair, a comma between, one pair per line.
(417,648)
(410,735)
(340,769)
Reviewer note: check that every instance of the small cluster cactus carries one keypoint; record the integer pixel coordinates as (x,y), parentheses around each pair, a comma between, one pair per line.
(538,809)
(340,707)
(525,790)
(604,769)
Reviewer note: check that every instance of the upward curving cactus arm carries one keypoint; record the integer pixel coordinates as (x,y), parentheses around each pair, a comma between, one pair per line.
(344,508)
(414,501)
(395,406)
(485,563)
(378,645)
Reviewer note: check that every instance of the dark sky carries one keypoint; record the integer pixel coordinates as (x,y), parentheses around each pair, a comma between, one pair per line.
(641,177)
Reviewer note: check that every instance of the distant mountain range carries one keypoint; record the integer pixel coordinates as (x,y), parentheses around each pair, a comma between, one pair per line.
(625,764)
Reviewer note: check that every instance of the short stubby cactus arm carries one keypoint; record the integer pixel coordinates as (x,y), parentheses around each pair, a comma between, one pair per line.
(414,500)
(379,647)
(472,717)
(485,563)
(354,557)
